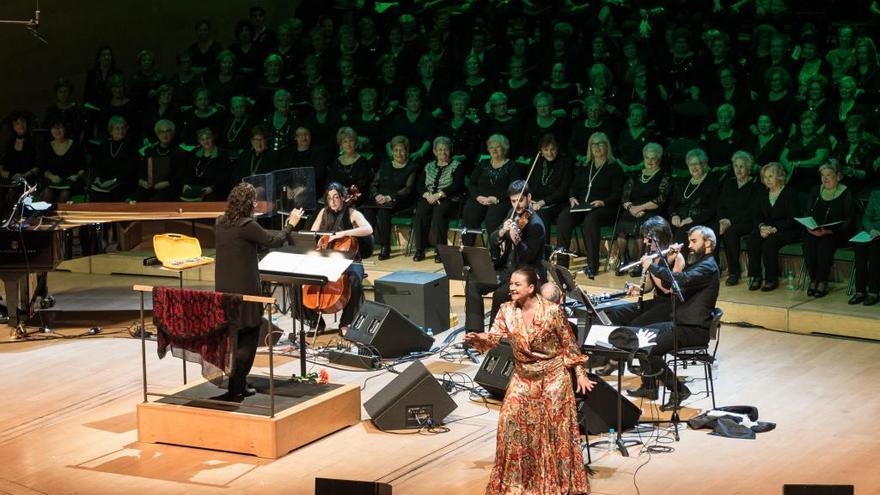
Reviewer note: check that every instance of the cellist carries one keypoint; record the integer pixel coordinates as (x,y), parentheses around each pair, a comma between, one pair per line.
(344,221)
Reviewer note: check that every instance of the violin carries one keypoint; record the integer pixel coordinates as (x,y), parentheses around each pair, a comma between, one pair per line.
(333,296)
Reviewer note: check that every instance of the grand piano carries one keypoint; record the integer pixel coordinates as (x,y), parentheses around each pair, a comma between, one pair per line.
(42,243)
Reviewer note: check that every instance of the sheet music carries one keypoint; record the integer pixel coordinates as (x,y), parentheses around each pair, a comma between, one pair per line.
(329,266)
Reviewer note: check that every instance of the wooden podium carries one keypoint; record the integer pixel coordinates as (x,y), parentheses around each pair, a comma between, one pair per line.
(259,435)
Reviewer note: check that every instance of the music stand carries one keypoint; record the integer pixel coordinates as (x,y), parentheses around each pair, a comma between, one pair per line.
(297,267)
(468,264)
(565,280)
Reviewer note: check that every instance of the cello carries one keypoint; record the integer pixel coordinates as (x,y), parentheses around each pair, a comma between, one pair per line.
(333,296)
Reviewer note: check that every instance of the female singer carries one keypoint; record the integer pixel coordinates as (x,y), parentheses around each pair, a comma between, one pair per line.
(775,227)
(868,256)
(832,202)
(391,192)
(63,163)
(597,185)
(693,201)
(343,221)
(439,185)
(538,443)
(238,238)
(489,181)
(640,197)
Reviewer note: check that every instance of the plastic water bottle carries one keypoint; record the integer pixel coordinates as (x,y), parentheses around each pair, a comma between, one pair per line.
(789,276)
(612,440)
(429,332)
(715,368)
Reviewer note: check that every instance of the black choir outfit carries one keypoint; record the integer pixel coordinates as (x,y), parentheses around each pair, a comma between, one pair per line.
(465,137)
(534,132)
(165,162)
(819,251)
(281,136)
(238,248)
(67,166)
(694,201)
(766,150)
(763,251)
(194,121)
(591,183)
(356,174)
(639,190)
(488,181)
(549,183)
(528,252)
(867,262)
(250,163)
(237,134)
(417,131)
(113,172)
(721,149)
(204,177)
(803,179)
(399,184)
(736,203)
(431,223)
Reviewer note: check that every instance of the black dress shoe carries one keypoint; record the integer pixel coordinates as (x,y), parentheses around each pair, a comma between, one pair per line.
(636,272)
(756,284)
(811,290)
(419,256)
(384,253)
(857,298)
(676,398)
(648,393)
(229,397)
(768,286)
(821,289)
(438,259)
(732,279)
(871,299)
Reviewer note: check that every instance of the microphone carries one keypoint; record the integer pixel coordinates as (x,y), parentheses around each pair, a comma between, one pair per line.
(35,22)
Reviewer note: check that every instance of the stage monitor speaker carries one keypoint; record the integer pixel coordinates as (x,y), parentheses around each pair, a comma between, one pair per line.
(421,297)
(386,331)
(494,374)
(818,490)
(412,399)
(597,412)
(330,486)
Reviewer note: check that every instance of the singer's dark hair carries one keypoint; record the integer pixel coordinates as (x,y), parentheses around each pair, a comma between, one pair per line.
(530,274)
(658,227)
(516,186)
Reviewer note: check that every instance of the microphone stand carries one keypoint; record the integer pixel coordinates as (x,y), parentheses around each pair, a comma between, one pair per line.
(677,296)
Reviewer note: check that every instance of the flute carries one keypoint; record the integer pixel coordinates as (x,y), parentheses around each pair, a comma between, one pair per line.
(675,248)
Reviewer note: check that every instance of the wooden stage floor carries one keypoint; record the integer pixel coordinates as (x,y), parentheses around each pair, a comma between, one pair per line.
(67,416)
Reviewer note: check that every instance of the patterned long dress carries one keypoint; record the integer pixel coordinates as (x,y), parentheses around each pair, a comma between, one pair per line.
(538,444)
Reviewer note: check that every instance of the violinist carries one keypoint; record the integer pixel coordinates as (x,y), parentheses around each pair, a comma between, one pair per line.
(659,307)
(344,221)
(518,242)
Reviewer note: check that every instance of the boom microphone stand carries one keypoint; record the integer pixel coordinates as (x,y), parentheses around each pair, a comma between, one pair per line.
(677,296)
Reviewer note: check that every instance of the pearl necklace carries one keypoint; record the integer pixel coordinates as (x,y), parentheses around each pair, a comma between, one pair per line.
(644,179)
(688,185)
(118,150)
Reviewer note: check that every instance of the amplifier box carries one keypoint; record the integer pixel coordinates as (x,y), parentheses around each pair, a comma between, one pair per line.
(423,298)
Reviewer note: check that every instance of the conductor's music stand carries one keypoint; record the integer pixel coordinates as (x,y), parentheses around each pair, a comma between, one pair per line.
(297,267)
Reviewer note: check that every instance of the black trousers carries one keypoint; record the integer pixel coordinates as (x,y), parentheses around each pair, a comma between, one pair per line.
(549,215)
(655,366)
(819,254)
(867,266)
(473,302)
(243,359)
(731,243)
(765,251)
(474,214)
(591,222)
(653,311)
(431,223)
(380,218)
